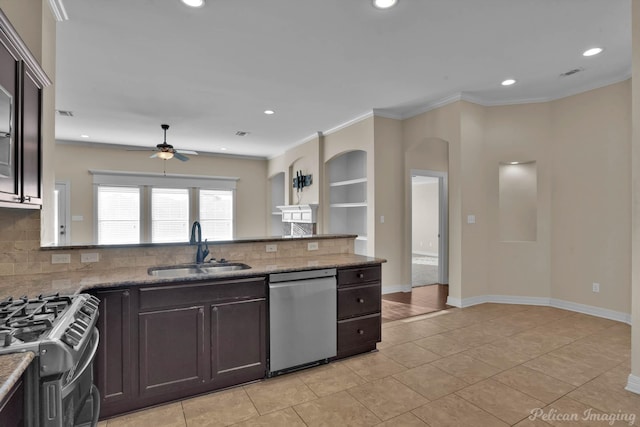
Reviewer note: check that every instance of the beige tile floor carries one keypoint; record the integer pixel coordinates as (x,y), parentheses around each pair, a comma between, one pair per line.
(487,365)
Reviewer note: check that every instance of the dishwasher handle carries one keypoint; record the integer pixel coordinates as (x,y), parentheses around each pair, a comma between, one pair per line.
(301,275)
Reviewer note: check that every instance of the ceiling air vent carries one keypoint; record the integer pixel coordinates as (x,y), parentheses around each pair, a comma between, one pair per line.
(65,113)
(571,72)
(242,133)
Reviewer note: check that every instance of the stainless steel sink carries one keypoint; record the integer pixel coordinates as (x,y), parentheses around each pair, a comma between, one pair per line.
(196,269)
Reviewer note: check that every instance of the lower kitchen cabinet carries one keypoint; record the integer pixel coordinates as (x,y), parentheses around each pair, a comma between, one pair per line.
(171,350)
(167,342)
(359,309)
(12,409)
(238,352)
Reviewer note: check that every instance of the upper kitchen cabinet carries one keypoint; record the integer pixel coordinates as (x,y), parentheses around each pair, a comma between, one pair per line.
(347,175)
(21,83)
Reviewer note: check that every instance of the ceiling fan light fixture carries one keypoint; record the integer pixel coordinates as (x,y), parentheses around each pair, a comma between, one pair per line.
(384,4)
(165,155)
(193,3)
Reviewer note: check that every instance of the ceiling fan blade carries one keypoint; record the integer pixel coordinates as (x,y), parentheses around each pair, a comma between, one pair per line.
(141,149)
(180,156)
(193,153)
(153,156)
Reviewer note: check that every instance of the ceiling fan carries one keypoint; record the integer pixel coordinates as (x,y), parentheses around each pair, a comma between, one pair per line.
(166,151)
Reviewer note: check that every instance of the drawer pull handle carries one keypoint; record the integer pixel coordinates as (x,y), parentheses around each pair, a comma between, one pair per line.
(361,331)
(361,300)
(360,275)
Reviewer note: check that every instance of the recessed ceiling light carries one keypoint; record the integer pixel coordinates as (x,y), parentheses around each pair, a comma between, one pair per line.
(223,149)
(269,112)
(384,4)
(592,51)
(514,163)
(194,3)
(508,82)
(84,136)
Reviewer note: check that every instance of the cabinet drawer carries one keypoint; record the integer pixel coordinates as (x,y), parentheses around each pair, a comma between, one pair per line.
(359,331)
(187,294)
(350,276)
(358,300)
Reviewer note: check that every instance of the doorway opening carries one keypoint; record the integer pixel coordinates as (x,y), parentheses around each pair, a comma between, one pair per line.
(429,231)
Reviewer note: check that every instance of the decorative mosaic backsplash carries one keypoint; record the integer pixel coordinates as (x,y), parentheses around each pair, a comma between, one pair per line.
(298,229)
(20,251)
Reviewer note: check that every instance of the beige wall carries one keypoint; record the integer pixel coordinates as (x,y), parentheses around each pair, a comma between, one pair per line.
(425,218)
(591,207)
(72,163)
(519,133)
(635,191)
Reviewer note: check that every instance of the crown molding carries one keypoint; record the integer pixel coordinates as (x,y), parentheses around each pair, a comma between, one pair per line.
(348,123)
(18,46)
(58,10)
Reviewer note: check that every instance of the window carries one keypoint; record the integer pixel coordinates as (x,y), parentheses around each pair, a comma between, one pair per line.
(118,215)
(216,214)
(169,215)
(140,207)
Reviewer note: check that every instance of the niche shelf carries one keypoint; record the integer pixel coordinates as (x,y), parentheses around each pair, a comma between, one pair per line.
(347,174)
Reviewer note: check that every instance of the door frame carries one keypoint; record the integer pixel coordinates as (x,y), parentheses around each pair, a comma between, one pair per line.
(65,192)
(443,222)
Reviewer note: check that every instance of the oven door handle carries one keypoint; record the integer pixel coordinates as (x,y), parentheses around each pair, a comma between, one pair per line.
(87,363)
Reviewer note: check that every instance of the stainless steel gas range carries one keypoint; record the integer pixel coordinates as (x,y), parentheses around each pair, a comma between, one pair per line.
(61,332)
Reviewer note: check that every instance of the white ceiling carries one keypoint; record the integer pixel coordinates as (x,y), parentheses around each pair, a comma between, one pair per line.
(124,67)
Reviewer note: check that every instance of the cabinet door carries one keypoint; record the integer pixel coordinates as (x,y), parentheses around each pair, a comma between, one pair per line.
(31,142)
(238,332)
(113,360)
(12,408)
(171,350)
(9,184)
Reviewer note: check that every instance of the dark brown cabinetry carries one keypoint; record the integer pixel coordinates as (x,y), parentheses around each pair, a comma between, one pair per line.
(12,407)
(21,84)
(359,306)
(178,340)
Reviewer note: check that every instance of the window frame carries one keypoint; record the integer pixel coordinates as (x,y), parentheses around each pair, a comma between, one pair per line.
(146,181)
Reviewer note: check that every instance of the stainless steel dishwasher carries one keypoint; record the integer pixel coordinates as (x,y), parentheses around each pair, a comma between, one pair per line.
(302,316)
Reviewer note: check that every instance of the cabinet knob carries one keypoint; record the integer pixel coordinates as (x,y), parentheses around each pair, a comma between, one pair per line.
(360,275)
(361,300)
(361,331)
(125,294)
(27,198)
(215,308)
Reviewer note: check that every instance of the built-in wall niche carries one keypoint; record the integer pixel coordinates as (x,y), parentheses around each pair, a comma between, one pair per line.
(518,194)
(277,199)
(347,175)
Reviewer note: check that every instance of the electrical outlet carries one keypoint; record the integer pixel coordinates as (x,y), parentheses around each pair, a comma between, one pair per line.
(596,287)
(312,246)
(89,257)
(272,248)
(60,259)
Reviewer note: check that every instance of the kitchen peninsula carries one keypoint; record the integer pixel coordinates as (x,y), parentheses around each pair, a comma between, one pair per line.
(140,313)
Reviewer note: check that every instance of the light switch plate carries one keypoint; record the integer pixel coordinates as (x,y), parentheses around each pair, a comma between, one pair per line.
(471,219)
(312,246)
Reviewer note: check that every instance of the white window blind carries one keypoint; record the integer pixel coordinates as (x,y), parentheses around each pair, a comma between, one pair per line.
(118,215)
(216,214)
(169,215)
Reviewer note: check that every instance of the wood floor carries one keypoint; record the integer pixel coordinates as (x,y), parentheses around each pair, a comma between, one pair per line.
(421,300)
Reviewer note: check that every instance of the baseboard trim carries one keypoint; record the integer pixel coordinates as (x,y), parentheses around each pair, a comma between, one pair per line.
(618,316)
(633,384)
(395,288)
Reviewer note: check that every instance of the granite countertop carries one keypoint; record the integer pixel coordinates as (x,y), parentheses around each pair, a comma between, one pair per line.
(11,368)
(13,365)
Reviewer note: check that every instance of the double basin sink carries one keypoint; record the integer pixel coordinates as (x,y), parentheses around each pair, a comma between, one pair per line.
(196,269)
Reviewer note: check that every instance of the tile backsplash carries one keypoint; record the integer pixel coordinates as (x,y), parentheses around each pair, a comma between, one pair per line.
(20,251)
